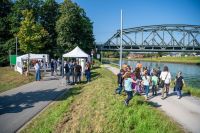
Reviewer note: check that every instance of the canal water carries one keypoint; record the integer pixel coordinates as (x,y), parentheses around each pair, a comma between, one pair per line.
(191,73)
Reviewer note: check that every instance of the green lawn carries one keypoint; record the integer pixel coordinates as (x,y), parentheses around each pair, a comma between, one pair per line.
(94,107)
(11,79)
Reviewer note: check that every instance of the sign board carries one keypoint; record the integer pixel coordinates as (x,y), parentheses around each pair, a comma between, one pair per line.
(98,56)
(13,59)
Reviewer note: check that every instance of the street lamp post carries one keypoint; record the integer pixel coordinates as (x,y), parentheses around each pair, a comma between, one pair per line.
(121,40)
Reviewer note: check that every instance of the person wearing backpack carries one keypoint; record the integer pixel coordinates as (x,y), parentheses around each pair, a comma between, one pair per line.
(179,82)
(165,79)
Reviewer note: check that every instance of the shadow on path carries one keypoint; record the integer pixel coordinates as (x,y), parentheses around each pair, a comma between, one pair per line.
(20,101)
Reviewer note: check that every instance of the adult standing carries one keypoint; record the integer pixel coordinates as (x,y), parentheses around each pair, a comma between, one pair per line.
(72,71)
(77,72)
(67,72)
(52,67)
(55,66)
(37,71)
(165,78)
(87,72)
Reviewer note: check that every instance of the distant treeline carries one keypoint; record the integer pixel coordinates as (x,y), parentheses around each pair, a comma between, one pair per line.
(43,27)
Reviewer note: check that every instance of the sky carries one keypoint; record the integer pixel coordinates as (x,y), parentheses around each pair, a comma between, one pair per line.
(105,14)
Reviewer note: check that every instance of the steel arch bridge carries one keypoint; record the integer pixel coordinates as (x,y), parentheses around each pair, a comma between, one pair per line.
(155,38)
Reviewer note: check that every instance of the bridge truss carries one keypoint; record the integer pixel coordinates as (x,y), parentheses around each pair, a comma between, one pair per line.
(155,38)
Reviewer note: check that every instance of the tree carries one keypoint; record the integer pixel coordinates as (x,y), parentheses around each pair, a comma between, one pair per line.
(31,34)
(16,15)
(74,28)
(5,35)
(49,15)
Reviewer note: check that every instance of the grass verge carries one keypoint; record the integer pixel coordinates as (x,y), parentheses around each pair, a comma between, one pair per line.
(11,79)
(192,91)
(94,108)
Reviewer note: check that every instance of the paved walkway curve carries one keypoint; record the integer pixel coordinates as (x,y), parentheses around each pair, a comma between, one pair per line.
(185,111)
(19,105)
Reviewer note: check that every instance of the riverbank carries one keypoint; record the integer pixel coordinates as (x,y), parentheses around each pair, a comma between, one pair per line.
(183,60)
(11,79)
(93,107)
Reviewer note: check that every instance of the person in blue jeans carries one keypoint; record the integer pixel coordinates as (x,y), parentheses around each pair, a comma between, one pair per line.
(37,71)
(87,72)
(146,82)
(128,87)
(120,81)
(179,82)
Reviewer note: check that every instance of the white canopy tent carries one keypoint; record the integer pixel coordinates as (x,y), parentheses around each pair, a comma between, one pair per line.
(78,53)
(20,59)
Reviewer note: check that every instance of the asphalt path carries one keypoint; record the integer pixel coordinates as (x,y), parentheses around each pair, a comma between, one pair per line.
(19,105)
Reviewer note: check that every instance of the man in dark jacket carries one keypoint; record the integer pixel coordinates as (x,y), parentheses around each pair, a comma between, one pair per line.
(67,72)
(77,73)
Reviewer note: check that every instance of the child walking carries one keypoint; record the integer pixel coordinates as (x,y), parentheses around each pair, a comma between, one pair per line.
(128,87)
(154,83)
(146,81)
(179,82)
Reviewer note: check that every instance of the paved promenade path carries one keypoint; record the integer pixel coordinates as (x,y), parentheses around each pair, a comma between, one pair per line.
(186,111)
(19,105)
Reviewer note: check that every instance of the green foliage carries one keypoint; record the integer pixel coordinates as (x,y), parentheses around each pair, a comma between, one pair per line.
(49,15)
(16,15)
(74,28)
(31,34)
(5,35)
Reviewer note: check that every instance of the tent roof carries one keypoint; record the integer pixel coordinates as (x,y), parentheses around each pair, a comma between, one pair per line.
(76,53)
(32,56)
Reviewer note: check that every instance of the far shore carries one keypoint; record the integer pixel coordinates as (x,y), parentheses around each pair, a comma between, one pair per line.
(182,60)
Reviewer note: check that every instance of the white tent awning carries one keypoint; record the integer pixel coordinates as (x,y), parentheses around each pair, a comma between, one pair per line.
(76,53)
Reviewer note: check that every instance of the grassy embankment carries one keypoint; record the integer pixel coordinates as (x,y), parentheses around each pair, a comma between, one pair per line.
(11,79)
(93,107)
(184,60)
(186,89)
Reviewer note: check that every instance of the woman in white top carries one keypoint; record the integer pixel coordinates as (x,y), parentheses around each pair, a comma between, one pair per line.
(37,71)
(165,76)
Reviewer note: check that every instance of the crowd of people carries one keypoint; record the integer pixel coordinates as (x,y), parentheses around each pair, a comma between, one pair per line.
(71,69)
(140,79)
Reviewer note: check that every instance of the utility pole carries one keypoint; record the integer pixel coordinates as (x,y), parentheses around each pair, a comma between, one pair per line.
(121,40)
(16,46)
